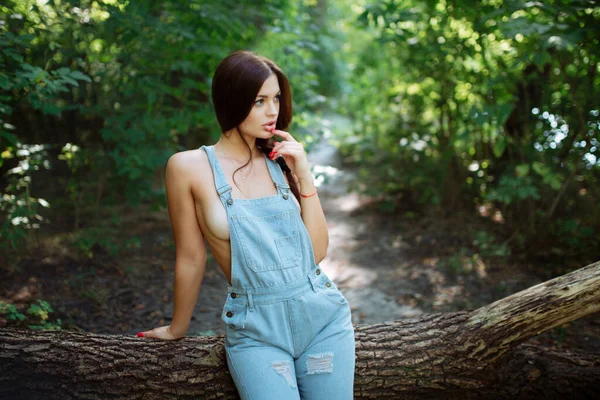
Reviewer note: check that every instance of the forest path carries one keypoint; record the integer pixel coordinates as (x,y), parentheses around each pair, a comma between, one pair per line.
(355,261)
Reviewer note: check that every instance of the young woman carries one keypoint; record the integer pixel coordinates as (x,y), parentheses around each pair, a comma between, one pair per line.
(289,333)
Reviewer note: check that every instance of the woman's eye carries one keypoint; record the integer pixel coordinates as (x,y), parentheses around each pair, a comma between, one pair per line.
(261,101)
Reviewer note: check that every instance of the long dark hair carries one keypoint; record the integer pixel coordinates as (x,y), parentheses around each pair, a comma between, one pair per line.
(235,85)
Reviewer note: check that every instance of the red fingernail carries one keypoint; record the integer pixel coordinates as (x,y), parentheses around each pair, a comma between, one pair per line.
(141,334)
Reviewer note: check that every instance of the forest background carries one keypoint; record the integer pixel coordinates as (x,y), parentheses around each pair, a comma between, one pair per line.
(457,110)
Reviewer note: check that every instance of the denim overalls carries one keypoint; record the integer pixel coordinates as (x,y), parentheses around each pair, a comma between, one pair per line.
(289,332)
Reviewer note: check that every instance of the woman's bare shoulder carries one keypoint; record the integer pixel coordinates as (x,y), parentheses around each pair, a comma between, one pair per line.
(188,163)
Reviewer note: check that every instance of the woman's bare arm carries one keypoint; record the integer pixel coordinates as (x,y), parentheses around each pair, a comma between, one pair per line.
(313,217)
(190,261)
(312,212)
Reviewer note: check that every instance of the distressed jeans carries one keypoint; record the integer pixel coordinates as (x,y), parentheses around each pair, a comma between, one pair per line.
(293,343)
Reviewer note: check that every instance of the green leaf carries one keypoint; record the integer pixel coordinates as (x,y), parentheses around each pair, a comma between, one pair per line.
(503,112)
(63,71)
(540,168)
(50,109)
(500,146)
(555,182)
(541,58)
(5,83)
(70,81)
(522,170)
(80,76)
(12,139)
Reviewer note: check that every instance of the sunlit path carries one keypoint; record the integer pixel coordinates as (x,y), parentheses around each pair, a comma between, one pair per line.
(358,281)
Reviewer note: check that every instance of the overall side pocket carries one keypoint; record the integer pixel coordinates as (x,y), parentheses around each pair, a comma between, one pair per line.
(333,295)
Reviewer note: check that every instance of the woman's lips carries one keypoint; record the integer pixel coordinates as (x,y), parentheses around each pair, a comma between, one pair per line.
(269,127)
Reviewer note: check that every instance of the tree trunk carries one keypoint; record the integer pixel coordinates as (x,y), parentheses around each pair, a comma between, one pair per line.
(464,355)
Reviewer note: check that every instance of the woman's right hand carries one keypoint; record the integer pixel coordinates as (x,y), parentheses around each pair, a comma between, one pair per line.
(163,333)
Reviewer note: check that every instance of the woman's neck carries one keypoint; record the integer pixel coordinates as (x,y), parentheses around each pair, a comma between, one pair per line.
(232,146)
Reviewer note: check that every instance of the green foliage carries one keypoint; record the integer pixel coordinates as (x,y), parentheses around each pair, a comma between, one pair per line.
(301,41)
(98,237)
(128,81)
(449,104)
(25,85)
(124,85)
(153,101)
(30,84)
(487,245)
(490,104)
(103,237)
(512,189)
(137,75)
(573,235)
(20,209)
(462,263)
(11,312)
(468,261)
(38,316)
(87,174)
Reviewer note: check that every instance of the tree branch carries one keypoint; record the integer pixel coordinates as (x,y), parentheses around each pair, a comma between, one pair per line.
(469,354)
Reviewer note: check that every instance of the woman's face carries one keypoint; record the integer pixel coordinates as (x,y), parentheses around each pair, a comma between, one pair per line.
(264,112)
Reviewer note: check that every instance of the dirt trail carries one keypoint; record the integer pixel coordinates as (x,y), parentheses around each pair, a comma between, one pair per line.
(354,260)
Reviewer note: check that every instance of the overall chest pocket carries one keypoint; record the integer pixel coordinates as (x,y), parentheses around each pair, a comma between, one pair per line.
(269,242)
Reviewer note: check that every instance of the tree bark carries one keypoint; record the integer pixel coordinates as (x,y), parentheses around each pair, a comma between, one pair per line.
(464,355)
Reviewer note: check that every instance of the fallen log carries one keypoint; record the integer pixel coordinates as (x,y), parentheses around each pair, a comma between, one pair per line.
(464,355)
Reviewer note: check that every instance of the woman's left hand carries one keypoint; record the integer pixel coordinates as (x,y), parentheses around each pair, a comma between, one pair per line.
(293,153)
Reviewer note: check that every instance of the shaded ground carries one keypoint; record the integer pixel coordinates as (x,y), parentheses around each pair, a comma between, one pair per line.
(388,266)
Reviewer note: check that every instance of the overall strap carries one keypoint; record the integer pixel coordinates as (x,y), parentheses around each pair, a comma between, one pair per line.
(223,188)
(278,178)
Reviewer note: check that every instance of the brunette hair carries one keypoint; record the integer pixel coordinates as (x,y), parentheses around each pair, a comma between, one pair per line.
(235,85)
